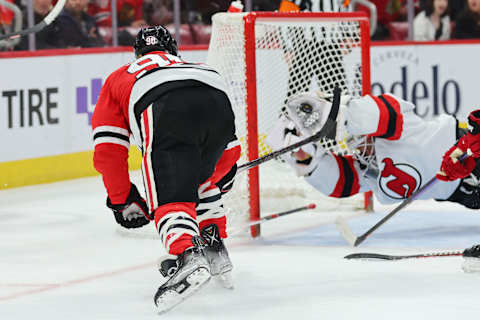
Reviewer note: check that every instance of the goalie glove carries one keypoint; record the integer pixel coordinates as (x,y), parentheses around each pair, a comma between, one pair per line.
(309,112)
(133,213)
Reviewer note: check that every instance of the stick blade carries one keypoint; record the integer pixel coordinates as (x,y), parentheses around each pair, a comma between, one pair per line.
(345,230)
(371,256)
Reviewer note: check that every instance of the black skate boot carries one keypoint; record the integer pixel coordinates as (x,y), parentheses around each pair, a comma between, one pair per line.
(471,259)
(188,273)
(217,256)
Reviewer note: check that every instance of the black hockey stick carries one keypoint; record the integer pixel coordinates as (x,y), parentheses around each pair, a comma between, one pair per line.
(273,216)
(39,26)
(347,232)
(280,214)
(377,256)
(327,131)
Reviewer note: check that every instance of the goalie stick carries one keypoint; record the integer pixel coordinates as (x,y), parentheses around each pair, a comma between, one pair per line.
(327,131)
(347,232)
(377,256)
(39,26)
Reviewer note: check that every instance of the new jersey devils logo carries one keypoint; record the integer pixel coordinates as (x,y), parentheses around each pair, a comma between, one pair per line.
(399,180)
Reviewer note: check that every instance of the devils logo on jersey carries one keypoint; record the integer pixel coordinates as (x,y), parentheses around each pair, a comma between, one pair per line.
(399,180)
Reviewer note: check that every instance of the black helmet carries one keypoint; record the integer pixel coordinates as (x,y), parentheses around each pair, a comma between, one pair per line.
(154,39)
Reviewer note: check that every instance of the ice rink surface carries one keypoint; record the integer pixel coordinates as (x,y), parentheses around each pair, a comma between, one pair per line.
(62,258)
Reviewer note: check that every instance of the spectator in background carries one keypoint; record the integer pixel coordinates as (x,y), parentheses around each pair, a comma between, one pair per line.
(433,23)
(6,16)
(129,13)
(45,38)
(158,12)
(129,17)
(467,23)
(75,28)
(455,7)
(265,5)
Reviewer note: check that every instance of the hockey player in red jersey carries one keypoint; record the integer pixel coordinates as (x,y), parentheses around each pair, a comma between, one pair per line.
(180,117)
(390,150)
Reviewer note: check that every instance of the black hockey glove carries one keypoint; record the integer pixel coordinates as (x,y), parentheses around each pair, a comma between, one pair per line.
(133,213)
(226,183)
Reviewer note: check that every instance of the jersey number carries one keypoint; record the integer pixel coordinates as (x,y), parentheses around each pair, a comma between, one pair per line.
(152,60)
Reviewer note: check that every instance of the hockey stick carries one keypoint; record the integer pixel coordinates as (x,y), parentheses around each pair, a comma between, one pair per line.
(347,232)
(377,256)
(39,26)
(273,216)
(327,131)
(280,214)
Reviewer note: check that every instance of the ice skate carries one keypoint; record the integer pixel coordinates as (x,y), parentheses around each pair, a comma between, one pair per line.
(217,256)
(188,273)
(471,259)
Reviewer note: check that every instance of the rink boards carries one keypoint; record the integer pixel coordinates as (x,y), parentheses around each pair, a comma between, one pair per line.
(47,99)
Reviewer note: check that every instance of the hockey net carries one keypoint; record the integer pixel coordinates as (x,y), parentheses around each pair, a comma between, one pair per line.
(266,57)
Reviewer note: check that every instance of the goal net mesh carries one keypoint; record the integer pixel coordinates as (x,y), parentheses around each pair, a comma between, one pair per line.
(265,59)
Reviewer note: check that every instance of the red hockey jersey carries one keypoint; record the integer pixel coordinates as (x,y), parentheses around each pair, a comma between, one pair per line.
(114,121)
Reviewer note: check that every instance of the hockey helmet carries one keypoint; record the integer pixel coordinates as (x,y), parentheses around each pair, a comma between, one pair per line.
(154,39)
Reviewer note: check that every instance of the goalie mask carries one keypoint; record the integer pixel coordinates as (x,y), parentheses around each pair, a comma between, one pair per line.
(309,112)
(155,38)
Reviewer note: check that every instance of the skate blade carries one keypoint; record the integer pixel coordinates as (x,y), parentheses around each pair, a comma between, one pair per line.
(170,298)
(225,280)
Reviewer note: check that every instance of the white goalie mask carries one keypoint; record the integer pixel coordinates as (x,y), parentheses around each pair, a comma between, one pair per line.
(362,148)
(309,112)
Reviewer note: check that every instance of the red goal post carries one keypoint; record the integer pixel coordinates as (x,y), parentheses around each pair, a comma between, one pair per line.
(266,57)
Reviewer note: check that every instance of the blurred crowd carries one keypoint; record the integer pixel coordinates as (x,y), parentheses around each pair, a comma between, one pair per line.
(88,23)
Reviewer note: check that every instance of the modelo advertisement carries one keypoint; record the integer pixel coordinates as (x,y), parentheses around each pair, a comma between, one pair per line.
(440,78)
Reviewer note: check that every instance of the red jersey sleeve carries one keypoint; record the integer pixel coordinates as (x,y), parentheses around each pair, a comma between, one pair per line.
(111,137)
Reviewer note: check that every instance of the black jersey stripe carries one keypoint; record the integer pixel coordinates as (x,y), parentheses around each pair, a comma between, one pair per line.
(349,176)
(111,134)
(392,119)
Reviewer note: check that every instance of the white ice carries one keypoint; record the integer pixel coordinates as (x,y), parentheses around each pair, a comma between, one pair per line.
(61,258)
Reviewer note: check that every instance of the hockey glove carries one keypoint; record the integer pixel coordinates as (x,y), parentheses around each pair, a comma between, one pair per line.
(452,168)
(472,139)
(133,213)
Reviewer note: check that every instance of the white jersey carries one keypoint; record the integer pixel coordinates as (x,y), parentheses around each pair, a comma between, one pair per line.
(408,151)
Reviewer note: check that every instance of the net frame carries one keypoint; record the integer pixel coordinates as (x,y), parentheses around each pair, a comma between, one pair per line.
(251,95)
